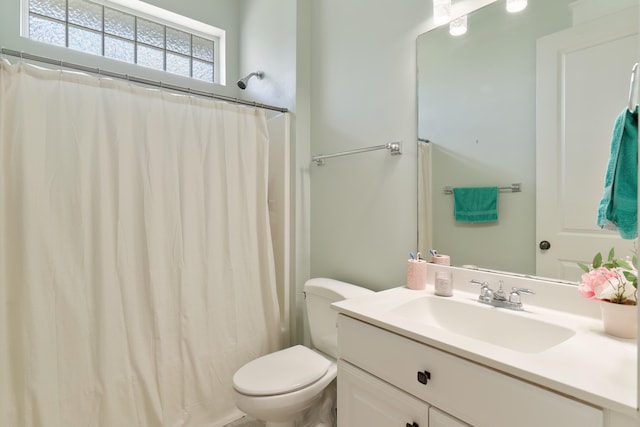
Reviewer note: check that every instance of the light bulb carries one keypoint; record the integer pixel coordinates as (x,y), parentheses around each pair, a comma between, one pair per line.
(441,11)
(458,27)
(514,6)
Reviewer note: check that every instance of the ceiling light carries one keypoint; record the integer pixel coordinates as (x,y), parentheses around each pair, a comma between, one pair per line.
(458,27)
(514,6)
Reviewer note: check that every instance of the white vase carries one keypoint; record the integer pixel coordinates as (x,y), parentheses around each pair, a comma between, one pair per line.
(619,320)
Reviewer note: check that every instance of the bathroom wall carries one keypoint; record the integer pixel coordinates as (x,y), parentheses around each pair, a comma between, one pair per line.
(363,93)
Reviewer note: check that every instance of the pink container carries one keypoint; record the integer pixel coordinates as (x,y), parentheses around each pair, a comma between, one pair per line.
(416,274)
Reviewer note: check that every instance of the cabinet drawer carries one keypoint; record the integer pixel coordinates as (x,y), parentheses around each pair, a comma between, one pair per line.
(475,394)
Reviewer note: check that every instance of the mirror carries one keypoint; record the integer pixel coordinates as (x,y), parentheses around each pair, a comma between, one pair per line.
(477,107)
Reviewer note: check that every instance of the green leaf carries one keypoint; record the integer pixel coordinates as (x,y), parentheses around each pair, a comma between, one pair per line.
(624,264)
(584,267)
(630,276)
(611,254)
(597,260)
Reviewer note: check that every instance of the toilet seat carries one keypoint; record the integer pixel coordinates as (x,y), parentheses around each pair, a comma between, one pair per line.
(281,372)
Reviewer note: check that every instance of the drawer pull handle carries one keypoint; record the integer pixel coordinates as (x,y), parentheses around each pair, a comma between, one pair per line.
(413,425)
(424,377)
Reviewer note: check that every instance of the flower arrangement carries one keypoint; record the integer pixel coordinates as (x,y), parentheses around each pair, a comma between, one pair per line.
(614,280)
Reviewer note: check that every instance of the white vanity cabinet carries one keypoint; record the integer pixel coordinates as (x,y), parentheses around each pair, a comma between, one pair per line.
(380,370)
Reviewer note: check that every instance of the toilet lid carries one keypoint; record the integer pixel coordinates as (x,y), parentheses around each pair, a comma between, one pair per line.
(281,372)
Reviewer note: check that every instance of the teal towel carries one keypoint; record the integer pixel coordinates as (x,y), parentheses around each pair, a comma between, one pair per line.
(618,207)
(475,204)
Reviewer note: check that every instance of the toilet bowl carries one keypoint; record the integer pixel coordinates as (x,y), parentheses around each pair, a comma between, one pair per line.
(279,387)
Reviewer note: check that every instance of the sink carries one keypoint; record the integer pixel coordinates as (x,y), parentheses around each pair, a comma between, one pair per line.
(509,329)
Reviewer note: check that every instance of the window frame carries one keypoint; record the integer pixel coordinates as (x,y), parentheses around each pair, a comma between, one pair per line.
(160,16)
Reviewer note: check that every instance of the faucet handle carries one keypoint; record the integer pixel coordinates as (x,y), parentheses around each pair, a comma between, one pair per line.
(486,294)
(479,283)
(514,296)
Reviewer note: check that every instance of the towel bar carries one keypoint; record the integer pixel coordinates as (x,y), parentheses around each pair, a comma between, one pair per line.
(513,188)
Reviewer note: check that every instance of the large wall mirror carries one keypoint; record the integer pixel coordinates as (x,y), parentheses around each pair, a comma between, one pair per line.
(553,77)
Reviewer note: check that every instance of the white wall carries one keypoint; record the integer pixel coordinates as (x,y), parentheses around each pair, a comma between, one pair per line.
(268,43)
(363,93)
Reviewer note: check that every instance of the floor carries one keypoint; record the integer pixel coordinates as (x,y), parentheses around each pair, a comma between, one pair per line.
(246,422)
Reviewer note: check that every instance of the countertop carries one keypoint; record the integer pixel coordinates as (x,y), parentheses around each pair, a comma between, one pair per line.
(592,367)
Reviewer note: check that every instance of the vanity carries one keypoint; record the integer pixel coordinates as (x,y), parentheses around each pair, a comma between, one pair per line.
(410,358)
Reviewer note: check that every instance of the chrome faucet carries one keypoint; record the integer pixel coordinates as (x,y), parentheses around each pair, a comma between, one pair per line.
(499,298)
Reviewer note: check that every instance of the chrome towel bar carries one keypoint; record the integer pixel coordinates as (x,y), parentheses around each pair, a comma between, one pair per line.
(393,147)
(513,188)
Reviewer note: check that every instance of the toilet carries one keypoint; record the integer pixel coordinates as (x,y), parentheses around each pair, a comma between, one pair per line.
(279,387)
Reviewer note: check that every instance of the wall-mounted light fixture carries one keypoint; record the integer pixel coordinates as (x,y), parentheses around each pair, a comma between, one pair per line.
(514,6)
(458,26)
(441,11)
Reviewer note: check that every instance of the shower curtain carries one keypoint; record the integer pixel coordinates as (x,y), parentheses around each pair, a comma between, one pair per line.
(425,210)
(136,267)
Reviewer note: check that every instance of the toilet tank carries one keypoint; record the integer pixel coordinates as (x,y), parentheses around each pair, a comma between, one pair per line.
(319,294)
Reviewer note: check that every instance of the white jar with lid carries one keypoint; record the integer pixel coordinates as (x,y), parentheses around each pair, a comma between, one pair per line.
(443,284)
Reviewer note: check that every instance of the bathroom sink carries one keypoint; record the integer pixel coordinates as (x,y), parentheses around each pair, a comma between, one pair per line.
(509,329)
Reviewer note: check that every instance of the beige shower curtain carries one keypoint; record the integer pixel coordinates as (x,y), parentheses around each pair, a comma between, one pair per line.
(425,210)
(136,267)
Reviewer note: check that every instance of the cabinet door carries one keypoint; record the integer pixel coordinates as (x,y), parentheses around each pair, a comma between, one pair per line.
(440,419)
(364,400)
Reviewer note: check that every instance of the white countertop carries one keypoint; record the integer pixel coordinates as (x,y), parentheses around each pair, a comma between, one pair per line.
(590,366)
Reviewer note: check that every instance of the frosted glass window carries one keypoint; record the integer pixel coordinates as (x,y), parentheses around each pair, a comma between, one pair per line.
(85,40)
(178,41)
(119,24)
(150,33)
(56,9)
(178,64)
(86,14)
(95,28)
(150,57)
(47,31)
(116,48)
(202,70)
(203,48)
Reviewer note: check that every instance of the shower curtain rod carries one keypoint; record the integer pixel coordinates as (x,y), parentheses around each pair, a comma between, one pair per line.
(153,83)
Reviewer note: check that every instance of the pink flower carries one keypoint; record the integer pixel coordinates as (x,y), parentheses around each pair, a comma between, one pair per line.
(614,280)
(594,280)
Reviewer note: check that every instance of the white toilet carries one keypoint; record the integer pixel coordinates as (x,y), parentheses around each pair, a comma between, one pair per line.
(279,387)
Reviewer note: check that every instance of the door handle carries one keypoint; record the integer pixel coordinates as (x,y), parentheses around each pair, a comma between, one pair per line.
(545,245)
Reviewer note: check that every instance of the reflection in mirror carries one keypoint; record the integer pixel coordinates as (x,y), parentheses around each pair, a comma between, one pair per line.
(478,105)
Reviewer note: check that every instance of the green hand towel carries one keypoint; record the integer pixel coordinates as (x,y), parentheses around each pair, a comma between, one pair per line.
(618,207)
(475,204)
